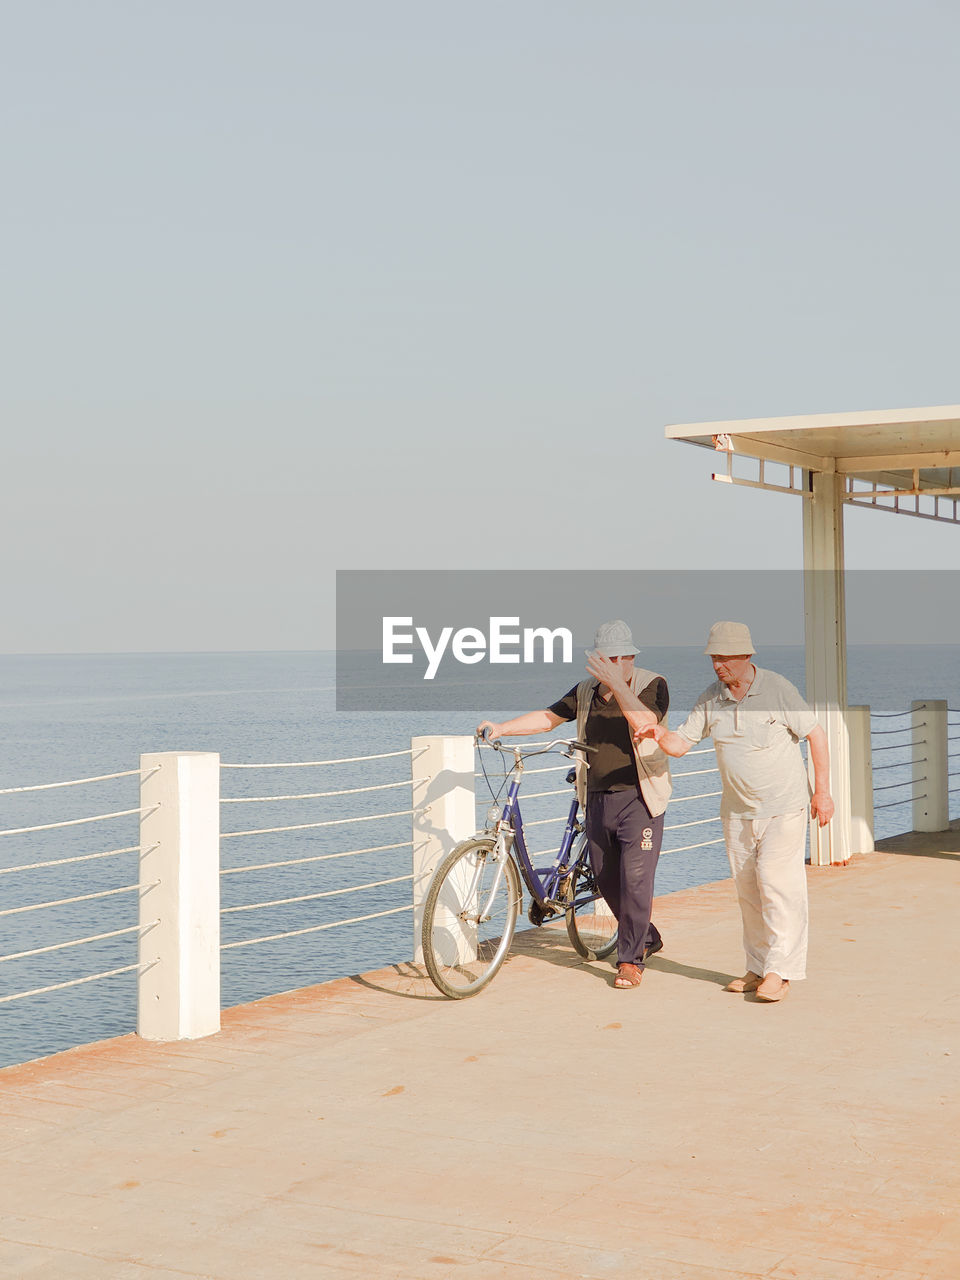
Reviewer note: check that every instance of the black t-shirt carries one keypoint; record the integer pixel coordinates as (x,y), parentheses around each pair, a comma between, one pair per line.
(613,767)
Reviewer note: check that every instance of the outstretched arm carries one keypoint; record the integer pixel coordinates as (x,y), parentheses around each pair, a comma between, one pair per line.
(821,805)
(673,744)
(520,726)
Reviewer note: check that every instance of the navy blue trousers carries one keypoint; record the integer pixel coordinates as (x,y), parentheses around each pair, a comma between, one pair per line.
(624,850)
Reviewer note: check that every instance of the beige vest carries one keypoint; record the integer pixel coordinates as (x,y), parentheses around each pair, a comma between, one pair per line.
(653,766)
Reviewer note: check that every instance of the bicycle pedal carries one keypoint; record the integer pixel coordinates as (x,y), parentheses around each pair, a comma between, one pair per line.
(537,914)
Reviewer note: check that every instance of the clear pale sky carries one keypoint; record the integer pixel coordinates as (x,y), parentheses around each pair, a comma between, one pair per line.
(297,286)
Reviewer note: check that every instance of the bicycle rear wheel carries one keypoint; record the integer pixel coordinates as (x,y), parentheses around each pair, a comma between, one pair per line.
(591,925)
(467,929)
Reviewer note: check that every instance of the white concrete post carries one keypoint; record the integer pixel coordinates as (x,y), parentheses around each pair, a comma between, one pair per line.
(442,769)
(179,996)
(931,806)
(861,780)
(826,645)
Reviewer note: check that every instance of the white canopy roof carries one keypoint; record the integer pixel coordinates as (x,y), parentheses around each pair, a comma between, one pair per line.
(905,450)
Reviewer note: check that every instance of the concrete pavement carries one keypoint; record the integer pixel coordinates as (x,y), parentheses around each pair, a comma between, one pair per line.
(550,1127)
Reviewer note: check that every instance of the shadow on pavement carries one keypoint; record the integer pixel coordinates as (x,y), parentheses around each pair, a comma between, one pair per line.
(690,971)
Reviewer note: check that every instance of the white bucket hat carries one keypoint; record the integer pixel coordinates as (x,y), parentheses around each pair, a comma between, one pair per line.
(728,638)
(615,640)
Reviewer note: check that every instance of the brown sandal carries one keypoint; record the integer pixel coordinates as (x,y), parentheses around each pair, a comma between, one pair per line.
(628,975)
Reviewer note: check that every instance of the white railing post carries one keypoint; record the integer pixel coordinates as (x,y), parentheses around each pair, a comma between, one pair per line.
(443,785)
(930,785)
(861,780)
(179,993)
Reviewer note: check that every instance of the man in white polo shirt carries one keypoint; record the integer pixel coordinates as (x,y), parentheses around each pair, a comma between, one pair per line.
(757,719)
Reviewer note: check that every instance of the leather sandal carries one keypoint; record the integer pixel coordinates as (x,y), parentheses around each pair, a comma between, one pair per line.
(749,982)
(772,988)
(628,975)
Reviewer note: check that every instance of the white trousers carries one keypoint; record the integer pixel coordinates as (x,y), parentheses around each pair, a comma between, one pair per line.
(767,861)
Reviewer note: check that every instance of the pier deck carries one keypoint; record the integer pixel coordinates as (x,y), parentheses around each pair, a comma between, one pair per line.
(552,1127)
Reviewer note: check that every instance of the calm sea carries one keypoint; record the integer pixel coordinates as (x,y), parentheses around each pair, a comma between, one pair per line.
(68,717)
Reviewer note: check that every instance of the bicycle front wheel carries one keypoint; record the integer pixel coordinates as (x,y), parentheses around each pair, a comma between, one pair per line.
(469,917)
(591,925)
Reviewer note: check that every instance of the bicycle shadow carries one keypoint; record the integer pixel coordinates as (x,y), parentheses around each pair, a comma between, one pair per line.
(410,981)
(406,980)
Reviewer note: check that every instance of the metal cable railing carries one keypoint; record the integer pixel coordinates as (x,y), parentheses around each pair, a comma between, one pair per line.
(311,897)
(76,982)
(684,848)
(315,857)
(74,782)
(63,862)
(44,947)
(81,897)
(907,782)
(911,762)
(702,795)
(684,799)
(953,755)
(891,804)
(322,826)
(317,795)
(76,822)
(315,764)
(138,929)
(316,928)
(330,822)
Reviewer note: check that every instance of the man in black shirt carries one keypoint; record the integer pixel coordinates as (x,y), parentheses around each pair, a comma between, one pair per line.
(624,793)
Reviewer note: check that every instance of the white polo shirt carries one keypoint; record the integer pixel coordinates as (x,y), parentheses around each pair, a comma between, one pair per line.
(758,744)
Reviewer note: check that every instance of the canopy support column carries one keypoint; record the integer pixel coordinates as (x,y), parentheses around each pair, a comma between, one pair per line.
(826,644)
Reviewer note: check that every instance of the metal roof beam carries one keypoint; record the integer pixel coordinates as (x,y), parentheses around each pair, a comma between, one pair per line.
(899,461)
(750,447)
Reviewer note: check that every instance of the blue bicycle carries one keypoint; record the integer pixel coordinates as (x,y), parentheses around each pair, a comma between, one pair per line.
(475,896)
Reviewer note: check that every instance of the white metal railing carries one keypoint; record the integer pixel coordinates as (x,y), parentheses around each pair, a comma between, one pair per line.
(920,750)
(314,857)
(177,855)
(953,757)
(678,774)
(910,745)
(325,894)
(91,895)
(62,862)
(675,800)
(74,782)
(314,764)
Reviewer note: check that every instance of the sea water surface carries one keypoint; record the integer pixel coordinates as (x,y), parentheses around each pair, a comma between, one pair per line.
(67,717)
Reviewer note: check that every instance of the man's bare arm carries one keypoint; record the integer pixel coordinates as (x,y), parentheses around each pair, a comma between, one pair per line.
(672,744)
(821,804)
(520,726)
(638,716)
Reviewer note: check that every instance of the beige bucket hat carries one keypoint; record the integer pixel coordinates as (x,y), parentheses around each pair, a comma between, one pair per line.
(615,640)
(728,638)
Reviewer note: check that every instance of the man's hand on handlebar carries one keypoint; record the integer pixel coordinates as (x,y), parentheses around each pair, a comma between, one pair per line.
(487,731)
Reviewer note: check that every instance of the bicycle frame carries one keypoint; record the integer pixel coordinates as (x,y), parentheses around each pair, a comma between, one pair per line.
(510,841)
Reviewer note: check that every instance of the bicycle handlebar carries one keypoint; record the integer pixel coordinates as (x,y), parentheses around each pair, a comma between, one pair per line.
(535,749)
